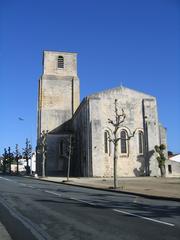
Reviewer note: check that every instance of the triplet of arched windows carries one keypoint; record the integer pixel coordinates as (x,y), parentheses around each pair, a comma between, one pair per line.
(124,142)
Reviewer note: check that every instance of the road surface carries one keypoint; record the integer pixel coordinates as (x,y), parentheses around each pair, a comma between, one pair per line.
(32,209)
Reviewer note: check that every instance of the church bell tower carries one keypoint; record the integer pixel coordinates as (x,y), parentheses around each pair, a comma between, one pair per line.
(58,96)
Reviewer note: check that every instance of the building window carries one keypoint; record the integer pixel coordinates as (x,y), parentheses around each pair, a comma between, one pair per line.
(169,169)
(60,62)
(123,146)
(61,148)
(107,143)
(140,141)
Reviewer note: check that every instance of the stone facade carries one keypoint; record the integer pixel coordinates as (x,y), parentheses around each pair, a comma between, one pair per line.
(90,122)
(92,155)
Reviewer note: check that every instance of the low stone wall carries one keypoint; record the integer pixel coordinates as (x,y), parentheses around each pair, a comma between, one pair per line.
(172,169)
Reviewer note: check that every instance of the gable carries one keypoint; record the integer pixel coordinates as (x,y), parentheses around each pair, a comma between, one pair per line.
(120,92)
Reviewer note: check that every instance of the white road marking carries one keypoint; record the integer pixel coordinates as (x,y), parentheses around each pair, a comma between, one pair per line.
(79,200)
(71,198)
(31,186)
(116,210)
(146,218)
(38,232)
(57,194)
(23,184)
(10,180)
(135,200)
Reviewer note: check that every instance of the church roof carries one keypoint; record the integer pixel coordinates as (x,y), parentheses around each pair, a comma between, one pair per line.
(112,93)
(118,90)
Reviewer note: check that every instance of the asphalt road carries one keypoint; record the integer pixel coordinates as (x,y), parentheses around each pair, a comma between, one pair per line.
(32,209)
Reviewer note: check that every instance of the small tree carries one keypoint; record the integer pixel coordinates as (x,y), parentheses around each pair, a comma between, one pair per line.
(43,146)
(10,158)
(161,158)
(27,151)
(69,151)
(1,163)
(116,124)
(17,157)
(5,160)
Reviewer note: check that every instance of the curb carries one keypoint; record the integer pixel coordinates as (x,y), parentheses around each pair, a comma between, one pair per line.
(111,190)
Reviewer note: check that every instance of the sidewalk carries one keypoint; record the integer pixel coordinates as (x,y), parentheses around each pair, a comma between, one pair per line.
(163,188)
(4,235)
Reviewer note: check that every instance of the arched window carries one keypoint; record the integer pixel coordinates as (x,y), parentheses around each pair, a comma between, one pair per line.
(60,62)
(107,143)
(123,146)
(140,142)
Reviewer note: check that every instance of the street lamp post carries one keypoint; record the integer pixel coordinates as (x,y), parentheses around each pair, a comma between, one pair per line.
(29,151)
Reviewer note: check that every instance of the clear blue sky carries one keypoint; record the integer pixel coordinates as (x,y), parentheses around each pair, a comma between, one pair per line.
(136,42)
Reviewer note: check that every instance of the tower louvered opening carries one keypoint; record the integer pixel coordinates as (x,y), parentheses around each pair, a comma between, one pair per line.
(60,62)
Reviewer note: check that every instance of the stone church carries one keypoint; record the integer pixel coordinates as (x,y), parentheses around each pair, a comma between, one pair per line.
(90,152)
